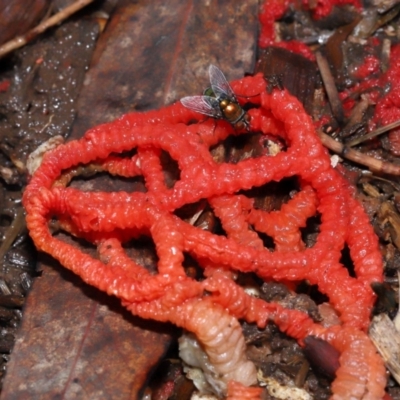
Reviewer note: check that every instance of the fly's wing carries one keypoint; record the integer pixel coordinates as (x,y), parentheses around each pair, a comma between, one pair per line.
(219,84)
(203,104)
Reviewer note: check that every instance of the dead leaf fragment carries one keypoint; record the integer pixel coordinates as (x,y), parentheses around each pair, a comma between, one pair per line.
(387,340)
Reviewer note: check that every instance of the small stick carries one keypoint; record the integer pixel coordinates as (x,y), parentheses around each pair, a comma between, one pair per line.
(330,87)
(302,374)
(372,163)
(373,134)
(22,40)
(12,232)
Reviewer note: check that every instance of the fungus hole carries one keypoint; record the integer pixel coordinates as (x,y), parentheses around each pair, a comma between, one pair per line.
(201,215)
(309,233)
(105,182)
(312,291)
(250,281)
(83,245)
(142,251)
(241,147)
(170,169)
(192,268)
(347,261)
(126,154)
(116,172)
(268,241)
(272,195)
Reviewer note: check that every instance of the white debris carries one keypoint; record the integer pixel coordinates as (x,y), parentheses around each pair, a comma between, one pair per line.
(36,157)
(335,160)
(282,392)
(396,320)
(198,367)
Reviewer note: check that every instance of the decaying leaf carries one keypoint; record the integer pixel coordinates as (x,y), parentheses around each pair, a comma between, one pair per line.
(387,340)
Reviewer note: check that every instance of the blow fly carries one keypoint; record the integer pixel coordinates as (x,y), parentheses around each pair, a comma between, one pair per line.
(219,101)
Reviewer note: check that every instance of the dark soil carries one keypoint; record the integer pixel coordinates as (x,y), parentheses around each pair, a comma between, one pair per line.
(39,86)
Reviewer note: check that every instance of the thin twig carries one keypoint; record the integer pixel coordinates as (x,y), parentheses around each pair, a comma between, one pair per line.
(330,87)
(22,40)
(373,134)
(12,232)
(372,163)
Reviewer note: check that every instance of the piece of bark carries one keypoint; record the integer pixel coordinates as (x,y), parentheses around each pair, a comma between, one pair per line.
(334,50)
(387,340)
(76,342)
(296,73)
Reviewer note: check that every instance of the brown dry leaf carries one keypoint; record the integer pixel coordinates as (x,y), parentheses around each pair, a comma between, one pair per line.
(391,217)
(386,338)
(76,342)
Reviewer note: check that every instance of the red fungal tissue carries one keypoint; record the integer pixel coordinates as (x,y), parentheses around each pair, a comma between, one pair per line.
(109,219)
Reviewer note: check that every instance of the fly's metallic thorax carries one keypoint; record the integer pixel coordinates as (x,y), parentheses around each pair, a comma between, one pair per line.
(233,112)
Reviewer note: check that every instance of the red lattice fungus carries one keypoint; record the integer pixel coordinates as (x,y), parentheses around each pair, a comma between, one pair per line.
(211,308)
